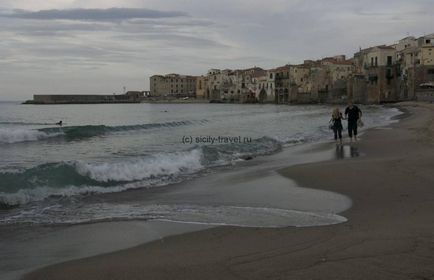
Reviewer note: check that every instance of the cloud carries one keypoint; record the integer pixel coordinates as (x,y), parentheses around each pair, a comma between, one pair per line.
(88,45)
(112,14)
(134,45)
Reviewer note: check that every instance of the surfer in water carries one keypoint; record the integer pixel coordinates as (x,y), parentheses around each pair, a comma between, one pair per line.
(59,123)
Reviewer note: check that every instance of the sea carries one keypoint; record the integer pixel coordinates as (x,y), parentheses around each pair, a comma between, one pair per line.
(166,162)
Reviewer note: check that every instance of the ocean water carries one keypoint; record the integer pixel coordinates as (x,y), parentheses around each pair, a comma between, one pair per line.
(58,175)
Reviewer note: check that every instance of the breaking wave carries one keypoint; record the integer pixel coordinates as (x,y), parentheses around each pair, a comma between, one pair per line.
(8,135)
(16,135)
(76,177)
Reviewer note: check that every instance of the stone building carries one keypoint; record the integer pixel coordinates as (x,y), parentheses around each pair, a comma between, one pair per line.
(173,85)
(426,52)
(249,87)
(230,86)
(214,81)
(339,69)
(384,73)
(321,83)
(378,67)
(202,91)
(233,86)
(299,76)
(221,85)
(282,84)
(262,92)
(416,60)
(265,86)
(338,72)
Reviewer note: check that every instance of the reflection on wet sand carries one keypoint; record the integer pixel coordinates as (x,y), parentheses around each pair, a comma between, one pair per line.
(346,151)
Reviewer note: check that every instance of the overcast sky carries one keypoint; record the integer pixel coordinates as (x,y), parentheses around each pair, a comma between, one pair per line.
(100,46)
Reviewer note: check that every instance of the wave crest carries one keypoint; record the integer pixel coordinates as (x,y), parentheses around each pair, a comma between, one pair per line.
(71,178)
(16,135)
(78,177)
(9,135)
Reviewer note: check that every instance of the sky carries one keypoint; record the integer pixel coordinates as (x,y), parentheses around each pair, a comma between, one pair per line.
(104,46)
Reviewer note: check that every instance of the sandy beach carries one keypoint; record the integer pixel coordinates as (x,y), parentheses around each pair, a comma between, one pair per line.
(389,233)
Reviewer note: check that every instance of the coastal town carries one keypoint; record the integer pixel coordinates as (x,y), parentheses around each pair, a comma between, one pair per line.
(378,74)
(200,139)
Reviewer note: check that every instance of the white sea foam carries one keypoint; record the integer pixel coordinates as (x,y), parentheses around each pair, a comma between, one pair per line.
(15,135)
(162,164)
(25,196)
(243,216)
(155,170)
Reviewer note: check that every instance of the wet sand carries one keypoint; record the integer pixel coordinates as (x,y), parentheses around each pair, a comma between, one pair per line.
(389,235)
(251,195)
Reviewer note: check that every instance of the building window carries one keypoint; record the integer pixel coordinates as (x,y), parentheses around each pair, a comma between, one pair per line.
(430,71)
(271,75)
(376,61)
(427,41)
(389,75)
(389,61)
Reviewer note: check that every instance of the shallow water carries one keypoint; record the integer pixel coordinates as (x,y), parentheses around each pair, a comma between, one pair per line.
(110,148)
(129,165)
(251,194)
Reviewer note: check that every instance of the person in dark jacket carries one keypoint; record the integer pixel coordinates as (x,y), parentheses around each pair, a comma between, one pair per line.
(336,125)
(352,114)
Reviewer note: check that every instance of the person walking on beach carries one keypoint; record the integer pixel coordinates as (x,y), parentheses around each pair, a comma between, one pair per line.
(353,114)
(336,125)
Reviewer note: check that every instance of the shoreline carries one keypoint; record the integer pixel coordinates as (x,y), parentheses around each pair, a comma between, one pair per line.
(388,234)
(232,183)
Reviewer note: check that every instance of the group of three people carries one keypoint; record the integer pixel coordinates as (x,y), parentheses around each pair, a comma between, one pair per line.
(353,115)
